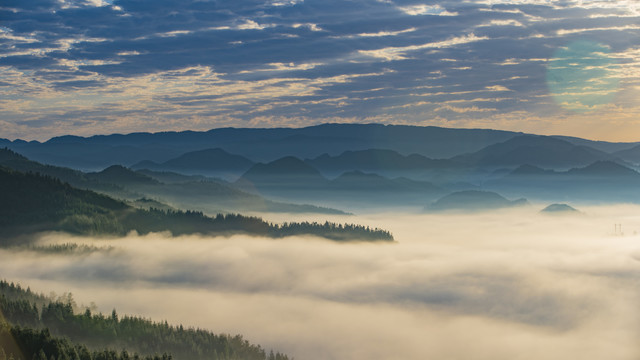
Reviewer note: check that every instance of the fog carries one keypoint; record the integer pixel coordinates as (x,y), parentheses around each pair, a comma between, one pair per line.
(501,285)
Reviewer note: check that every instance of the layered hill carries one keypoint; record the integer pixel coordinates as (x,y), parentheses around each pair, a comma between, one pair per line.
(542,151)
(562,209)
(286,173)
(210,162)
(352,164)
(473,200)
(631,155)
(97,152)
(34,203)
(600,181)
(188,193)
(295,179)
(380,161)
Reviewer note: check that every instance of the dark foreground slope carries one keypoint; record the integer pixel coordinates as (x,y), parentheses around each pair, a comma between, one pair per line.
(33,203)
(35,327)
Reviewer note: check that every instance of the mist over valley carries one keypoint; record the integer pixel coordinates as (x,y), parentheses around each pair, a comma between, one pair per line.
(503,252)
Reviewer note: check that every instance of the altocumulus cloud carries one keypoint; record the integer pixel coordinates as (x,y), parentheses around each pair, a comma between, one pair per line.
(262,62)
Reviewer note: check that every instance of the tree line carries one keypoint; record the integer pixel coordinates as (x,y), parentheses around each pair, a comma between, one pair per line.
(34,202)
(54,330)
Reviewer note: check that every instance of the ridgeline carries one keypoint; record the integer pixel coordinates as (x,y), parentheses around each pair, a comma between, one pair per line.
(35,203)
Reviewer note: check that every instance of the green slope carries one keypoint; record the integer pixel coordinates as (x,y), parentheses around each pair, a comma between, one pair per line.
(32,203)
(33,324)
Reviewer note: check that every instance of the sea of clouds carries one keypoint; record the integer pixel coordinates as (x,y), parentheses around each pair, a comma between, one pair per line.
(499,285)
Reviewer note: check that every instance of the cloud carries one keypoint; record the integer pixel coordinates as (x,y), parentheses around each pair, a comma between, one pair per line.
(452,279)
(423,9)
(400,53)
(56,49)
(509,22)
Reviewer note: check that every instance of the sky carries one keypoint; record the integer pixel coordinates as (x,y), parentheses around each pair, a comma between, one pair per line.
(88,67)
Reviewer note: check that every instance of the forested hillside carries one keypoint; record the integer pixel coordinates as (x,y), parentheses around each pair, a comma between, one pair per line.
(33,203)
(35,327)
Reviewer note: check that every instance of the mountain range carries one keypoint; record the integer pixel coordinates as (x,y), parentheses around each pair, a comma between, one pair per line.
(540,151)
(348,166)
(474,200)
(600,182)
(202,194)
(263,145)
(260,145)
(209,162)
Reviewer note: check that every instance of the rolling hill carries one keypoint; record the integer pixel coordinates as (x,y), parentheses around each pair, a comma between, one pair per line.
(600,181)
(210,162)
(100,151)
(193,193)
(474,200)
(541,151)
(33,203)
(631,155)
(376,161)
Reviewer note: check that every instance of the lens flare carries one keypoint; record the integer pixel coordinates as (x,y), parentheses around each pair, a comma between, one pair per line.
(581,76)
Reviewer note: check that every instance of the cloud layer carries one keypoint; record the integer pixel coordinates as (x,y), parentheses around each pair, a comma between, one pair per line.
(100,66)
(501,285)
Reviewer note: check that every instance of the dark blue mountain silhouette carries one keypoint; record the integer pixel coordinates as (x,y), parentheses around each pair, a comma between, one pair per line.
(559,209)
(600,181)
(606,146)
(631,155)
(359,181)
(540,151)
(474,200)
(206,162)
(120,175)
(375,160)
(187,193)
(609,169)
(286,173)
(100,151)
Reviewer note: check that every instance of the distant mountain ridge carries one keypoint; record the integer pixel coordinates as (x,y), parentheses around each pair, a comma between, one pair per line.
(559,209)
(606,146)
(350,166)
(213,162)
(474,200)
(296,180)
(534,150)
(99,151)
(376,160)
(600,181)
(631,155)
(287,171)
(609,169)
(128,184)
(331,148)
(120,175)
(600,168)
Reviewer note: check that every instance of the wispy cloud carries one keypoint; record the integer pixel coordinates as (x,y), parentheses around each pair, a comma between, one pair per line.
(400,53)
(423,9)
(91,61)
